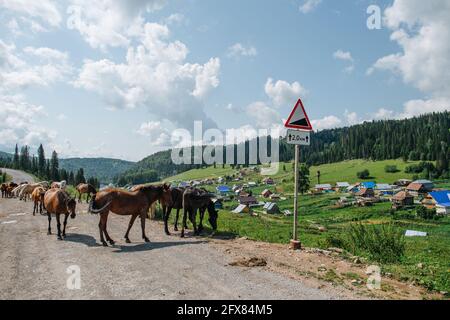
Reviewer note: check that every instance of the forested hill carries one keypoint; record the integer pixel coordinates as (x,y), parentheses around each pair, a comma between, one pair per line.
(4,155)
(104,169)
(422,138)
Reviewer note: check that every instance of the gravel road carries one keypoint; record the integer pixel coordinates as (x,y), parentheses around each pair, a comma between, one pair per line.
(34,265)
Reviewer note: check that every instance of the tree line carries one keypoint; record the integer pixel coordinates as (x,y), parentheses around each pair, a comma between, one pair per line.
(43,168)
(424,138)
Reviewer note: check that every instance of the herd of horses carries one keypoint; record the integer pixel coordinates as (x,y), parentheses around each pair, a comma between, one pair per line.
(136,202)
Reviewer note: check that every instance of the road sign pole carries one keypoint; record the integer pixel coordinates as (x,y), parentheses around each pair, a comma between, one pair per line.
(295,243)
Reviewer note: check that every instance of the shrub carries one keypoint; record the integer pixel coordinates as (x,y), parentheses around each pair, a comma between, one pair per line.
(391,169)
(427,214)
(383,243)
(365,174)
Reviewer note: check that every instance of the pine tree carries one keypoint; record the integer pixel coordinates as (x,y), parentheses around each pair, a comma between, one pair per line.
(41,161)
(16,158)
(54,167)
(303,179)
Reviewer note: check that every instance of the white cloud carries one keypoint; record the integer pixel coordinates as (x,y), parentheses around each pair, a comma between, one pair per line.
(175,19)
(422,30)
(158,132)
(328,122)
(282,93)
(239,50)
(155,75)
(45,10)
(345,56)
(309,5)
(262,116)
(20,122)
(110,23)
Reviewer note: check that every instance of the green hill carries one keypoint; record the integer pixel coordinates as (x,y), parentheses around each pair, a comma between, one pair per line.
(344,171)
(5,155)
(104,169)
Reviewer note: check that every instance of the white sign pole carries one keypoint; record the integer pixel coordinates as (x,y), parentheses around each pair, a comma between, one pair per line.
(295,243)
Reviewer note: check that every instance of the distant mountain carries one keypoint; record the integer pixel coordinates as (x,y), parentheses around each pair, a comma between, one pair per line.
(4,155)
(104,169)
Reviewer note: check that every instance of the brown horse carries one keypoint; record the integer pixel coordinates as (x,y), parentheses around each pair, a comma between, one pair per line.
(38,199)
(4,189)
(87,188)
(177,204)
(135,203)
(58,202)
(194,200)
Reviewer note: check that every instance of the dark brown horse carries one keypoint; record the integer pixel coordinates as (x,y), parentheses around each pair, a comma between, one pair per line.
(58,202)
(125,203)
(177,204)
(194,200)
(87,188)
(4,190)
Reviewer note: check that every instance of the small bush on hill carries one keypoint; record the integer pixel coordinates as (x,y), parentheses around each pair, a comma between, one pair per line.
(391,169)
(365,174)
(427,214)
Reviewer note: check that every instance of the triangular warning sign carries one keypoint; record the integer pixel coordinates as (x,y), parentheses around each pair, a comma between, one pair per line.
(298,118)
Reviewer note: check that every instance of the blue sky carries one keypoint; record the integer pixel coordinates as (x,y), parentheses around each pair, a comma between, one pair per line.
(118,79)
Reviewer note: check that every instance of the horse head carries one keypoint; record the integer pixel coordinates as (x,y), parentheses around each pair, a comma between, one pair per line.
(71,205)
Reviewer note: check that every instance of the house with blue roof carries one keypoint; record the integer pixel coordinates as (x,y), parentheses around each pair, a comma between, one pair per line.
(368,185)
(223,189)
(439,200)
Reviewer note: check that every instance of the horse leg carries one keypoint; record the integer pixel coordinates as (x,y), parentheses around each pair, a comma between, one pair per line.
(105,223)
(65,224)
(176,220)
(193,219)
(202,216)
(79,197)
(100,227)
(49,232)
(34,208)
(88,197)
(58,224)
(130,225)
(185,213)
(166,220)
(143,216)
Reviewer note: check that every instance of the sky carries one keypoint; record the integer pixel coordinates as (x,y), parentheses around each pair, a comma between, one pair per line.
(116,78)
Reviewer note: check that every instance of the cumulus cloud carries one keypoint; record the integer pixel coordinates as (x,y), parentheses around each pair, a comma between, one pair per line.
(45,10)
(239,50)
(328,122)
(262,116)
(110,23)
(156,76)
(345,56)
(283,93)
(157,132)
(422,30)
(309,5)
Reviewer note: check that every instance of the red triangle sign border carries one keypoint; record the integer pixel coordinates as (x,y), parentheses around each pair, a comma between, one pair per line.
(288,125)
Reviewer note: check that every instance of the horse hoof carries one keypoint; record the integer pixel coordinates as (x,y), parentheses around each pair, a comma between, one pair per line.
(112,242)
(167,233)
(104,244)
(175,229)
(182,235)
(147,240)
(49,233)
(60,238)
(127,241)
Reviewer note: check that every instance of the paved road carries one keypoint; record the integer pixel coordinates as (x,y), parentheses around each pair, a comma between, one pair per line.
(34,265)
(18,176)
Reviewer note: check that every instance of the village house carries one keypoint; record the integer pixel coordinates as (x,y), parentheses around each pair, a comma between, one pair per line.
(402,199)
(368,185)
(248,201)
(417,189)
(427,184)
(275,197)
(342,186)
(266,193)
(440,200)
(323,187)
(365,193)
(269,181)
(271,208)
(402,182)
(223,190)
(241,209)
(384,189)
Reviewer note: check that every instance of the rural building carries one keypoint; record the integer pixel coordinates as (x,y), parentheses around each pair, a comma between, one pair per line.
(439,200)
(402,182)
(353,189)
(342,186)
(402,199)
(275,197)
(365,193)
(384,188)
(252,184)
(241,209)
(271,208)
(368,185)
(223,189)
(183,184)
(427,184)
(266,193)
(247,201)
(269,181)
(323,187)
(416,189)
